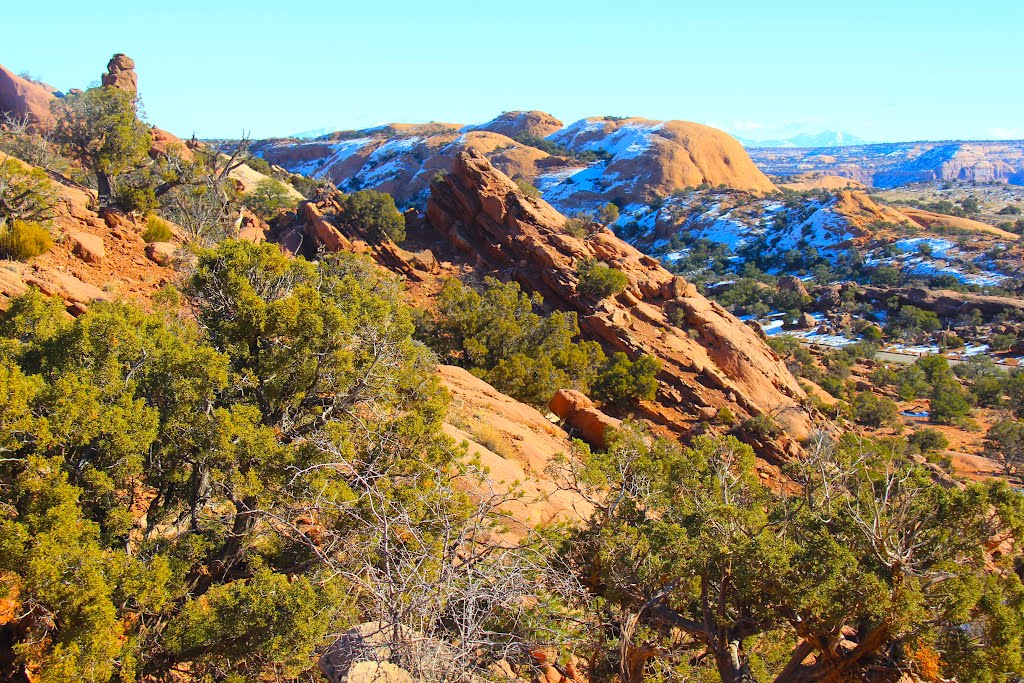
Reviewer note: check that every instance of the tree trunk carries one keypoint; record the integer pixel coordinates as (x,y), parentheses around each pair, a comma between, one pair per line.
(104,188)
(732,665)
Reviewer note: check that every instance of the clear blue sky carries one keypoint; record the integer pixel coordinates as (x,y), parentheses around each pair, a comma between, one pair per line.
(892,70)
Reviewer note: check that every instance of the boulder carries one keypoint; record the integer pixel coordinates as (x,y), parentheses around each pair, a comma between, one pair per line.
(805,322)
(791,283)
(87,247)
(579,411)
(121,73)
(161,253)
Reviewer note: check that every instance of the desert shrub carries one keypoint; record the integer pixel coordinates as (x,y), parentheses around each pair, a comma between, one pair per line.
(726,416)
(911,322)
(101,129)
(622,380)
(527,189)
(22,240)
(375,214)
(498,334)
(762,425)
(157,229)
(948,401)
(575,227)
(598,280)
(873,411)
(608,214)
(1002,342)
(832,385)
(988,390)
(711,521)
(492,439)
(306,186)
(135,195)
(268,198)
(928,440)
(25,193)
(260,165)
(911,382)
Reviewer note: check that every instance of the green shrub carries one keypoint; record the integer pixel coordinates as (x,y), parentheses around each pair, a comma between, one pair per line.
(527,189)
(374,214)
(948,401)
(268,198)
(497,334)
(575,227)
(873,411)
(22,240)
(609,213)
(622,380)
(726,416)
(25,193)
(599,281)
(761,425)
(928,440)
(260,165)
(135,197)
(157,229)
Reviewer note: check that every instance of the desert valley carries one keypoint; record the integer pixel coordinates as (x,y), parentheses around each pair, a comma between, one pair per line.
(617,399)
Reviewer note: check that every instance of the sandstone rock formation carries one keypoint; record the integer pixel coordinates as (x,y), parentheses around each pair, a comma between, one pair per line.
(819,181)
(513,123)
(654,158)
(121,73)
(22,98)
(580,412)
(516,444)
(715,361)
(943,302)
(930,219)
(399,160)
(644,159)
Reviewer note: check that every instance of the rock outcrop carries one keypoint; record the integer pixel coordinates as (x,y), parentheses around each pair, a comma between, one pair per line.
(516,444)
(930,219)
(654,158)
(709,360)
(121,73)
(513,123)
(23,98)
(580,412)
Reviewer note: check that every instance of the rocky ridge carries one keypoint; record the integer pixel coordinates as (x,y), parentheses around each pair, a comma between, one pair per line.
(583,166)
(709,361)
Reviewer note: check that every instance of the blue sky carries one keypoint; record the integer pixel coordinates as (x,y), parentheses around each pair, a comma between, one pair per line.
(894,70)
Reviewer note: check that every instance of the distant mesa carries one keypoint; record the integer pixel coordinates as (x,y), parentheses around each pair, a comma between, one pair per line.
(892,164)
(826,138)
